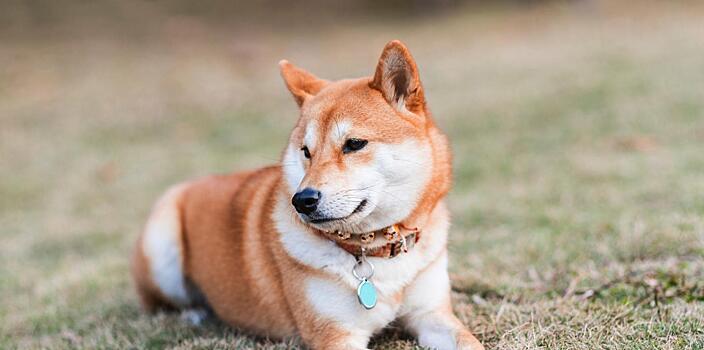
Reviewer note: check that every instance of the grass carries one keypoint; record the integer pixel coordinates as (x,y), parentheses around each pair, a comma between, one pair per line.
(578,132)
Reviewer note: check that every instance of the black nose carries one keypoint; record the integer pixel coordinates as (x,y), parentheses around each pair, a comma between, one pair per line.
(306,201)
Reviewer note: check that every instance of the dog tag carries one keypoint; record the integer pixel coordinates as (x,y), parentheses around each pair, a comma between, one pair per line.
(366,293)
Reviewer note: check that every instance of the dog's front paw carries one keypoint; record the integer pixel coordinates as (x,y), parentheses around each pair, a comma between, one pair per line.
(444,333)
(467,341)
(446,340)
(437,339)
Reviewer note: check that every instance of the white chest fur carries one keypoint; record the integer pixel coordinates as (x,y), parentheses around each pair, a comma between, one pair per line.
(334,297)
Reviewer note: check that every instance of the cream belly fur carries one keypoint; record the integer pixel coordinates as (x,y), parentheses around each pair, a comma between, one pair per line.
(236,244)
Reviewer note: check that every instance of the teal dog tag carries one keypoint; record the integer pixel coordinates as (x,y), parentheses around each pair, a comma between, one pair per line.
(366,293)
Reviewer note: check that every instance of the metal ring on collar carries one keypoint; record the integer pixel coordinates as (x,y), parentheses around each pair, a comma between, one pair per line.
(359,264)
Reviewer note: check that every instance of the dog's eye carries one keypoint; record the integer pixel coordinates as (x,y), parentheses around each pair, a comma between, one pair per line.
(306,152)
(353,145)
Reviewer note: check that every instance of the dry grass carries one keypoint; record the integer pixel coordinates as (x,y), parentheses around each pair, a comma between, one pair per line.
(579,139)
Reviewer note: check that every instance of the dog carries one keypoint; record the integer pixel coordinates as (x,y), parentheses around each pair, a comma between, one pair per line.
(347,234)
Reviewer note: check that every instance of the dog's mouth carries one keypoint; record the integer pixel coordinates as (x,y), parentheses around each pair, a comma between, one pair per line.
(359,208)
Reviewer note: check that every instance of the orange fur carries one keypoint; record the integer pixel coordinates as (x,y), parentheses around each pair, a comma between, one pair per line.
(231,249)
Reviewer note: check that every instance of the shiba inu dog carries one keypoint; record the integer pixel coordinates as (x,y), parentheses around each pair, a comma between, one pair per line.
(347,234)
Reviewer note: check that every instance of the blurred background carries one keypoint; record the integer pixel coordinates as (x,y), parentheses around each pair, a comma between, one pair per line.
(577,126)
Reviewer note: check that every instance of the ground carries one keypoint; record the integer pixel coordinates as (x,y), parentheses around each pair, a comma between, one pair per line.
(578,131)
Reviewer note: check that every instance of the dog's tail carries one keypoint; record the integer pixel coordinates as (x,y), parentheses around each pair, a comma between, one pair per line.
(157,259)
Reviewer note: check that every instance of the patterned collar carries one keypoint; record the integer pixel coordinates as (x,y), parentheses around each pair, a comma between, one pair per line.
(398,237)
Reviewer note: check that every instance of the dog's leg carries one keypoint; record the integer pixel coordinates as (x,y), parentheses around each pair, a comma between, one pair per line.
(428,311)
(331,336)
(442,330)
(322,333)
(330,317)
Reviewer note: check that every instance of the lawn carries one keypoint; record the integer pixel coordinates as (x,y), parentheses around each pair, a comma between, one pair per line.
(578,132)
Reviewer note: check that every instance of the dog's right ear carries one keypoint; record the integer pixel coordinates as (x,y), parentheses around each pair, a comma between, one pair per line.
(301,83)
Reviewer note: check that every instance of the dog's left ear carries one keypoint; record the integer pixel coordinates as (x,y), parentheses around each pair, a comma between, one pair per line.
(301,83)
(397,78)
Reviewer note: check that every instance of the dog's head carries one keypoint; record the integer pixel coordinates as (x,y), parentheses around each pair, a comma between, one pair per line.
(363,152)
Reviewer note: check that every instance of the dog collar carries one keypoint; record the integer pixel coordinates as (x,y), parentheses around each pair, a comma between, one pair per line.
(398,241)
